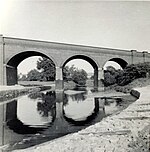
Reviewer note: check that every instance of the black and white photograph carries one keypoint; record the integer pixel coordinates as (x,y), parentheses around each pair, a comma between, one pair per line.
(74,76)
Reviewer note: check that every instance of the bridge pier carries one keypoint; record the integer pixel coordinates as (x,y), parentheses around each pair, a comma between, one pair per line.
(133,54)
(1,60)
(2,121)
(145,54)
(96,79)
(11,75)
(59,83)
(100,78)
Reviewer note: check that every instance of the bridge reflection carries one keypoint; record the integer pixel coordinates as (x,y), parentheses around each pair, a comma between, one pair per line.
(50,108)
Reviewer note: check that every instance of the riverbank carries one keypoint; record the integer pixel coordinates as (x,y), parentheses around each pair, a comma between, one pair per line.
(141,82)
(10,92)
(128,130)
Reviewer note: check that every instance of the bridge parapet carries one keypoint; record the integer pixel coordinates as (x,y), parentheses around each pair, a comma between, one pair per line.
(63,46)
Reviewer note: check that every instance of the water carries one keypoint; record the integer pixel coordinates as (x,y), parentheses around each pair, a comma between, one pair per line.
(43,116)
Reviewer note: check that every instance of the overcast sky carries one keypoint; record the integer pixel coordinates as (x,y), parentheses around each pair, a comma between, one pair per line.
(124,25)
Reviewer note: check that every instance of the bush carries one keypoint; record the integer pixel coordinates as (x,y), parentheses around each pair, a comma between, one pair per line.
(79,77)
(124,77)
(111,76)
(132,72)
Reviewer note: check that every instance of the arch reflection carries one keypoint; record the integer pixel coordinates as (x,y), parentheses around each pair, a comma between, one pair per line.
(84,118)
(43,110)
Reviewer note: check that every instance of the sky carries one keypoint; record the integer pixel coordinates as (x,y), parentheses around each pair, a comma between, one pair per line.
(123,25)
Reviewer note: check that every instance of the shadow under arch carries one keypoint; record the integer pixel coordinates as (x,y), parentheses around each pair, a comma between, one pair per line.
(120,61)
(11,65)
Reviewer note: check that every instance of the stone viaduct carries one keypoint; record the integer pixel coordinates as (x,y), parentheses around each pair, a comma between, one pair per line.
(15,50)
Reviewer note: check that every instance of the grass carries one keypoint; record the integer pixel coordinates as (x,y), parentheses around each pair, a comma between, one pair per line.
(141,82)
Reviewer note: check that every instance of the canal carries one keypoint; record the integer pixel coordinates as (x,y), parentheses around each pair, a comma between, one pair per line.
(42,116)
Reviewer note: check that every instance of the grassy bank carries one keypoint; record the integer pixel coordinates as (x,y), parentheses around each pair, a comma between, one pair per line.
(141,82)
(10,94)
(15,92)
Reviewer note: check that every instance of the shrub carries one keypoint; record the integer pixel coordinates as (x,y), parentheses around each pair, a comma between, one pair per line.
(127,75)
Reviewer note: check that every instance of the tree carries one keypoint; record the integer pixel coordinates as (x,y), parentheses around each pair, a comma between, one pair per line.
(33,75)
(79,77)
(47,67)
(111,75)
(68,72)
(134,71)
(48,73)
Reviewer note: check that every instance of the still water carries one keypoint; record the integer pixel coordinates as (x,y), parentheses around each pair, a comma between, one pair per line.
(42,116)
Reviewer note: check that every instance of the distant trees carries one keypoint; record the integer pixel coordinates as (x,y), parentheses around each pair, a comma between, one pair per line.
(79,77)
(33,75)
(76,75)
(22,77)
(46,71)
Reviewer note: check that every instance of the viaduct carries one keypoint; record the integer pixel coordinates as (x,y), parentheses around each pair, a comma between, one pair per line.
(15,50)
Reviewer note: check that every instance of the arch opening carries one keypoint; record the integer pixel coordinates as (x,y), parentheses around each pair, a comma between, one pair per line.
(83,57)
(120,61)
(13,63)
(113,69)
(87,64)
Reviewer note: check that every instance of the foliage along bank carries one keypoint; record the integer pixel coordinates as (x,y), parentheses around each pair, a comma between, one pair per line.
(127,75)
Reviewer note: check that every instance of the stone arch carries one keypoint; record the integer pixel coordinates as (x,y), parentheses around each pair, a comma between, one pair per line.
(14,61)
(84,57)
(90,60)
(123,63)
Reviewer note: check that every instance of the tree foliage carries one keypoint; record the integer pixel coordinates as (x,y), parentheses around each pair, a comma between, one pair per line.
(74,74)
(47,68)
(47,71)
(127,75)
(111,75)
(134,71)
(79,77)
(33,75)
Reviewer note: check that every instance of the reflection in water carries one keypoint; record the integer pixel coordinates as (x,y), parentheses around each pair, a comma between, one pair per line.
(78,97)
(79,110)
(47,107)
(84,120)
(18,127)
(43,116)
